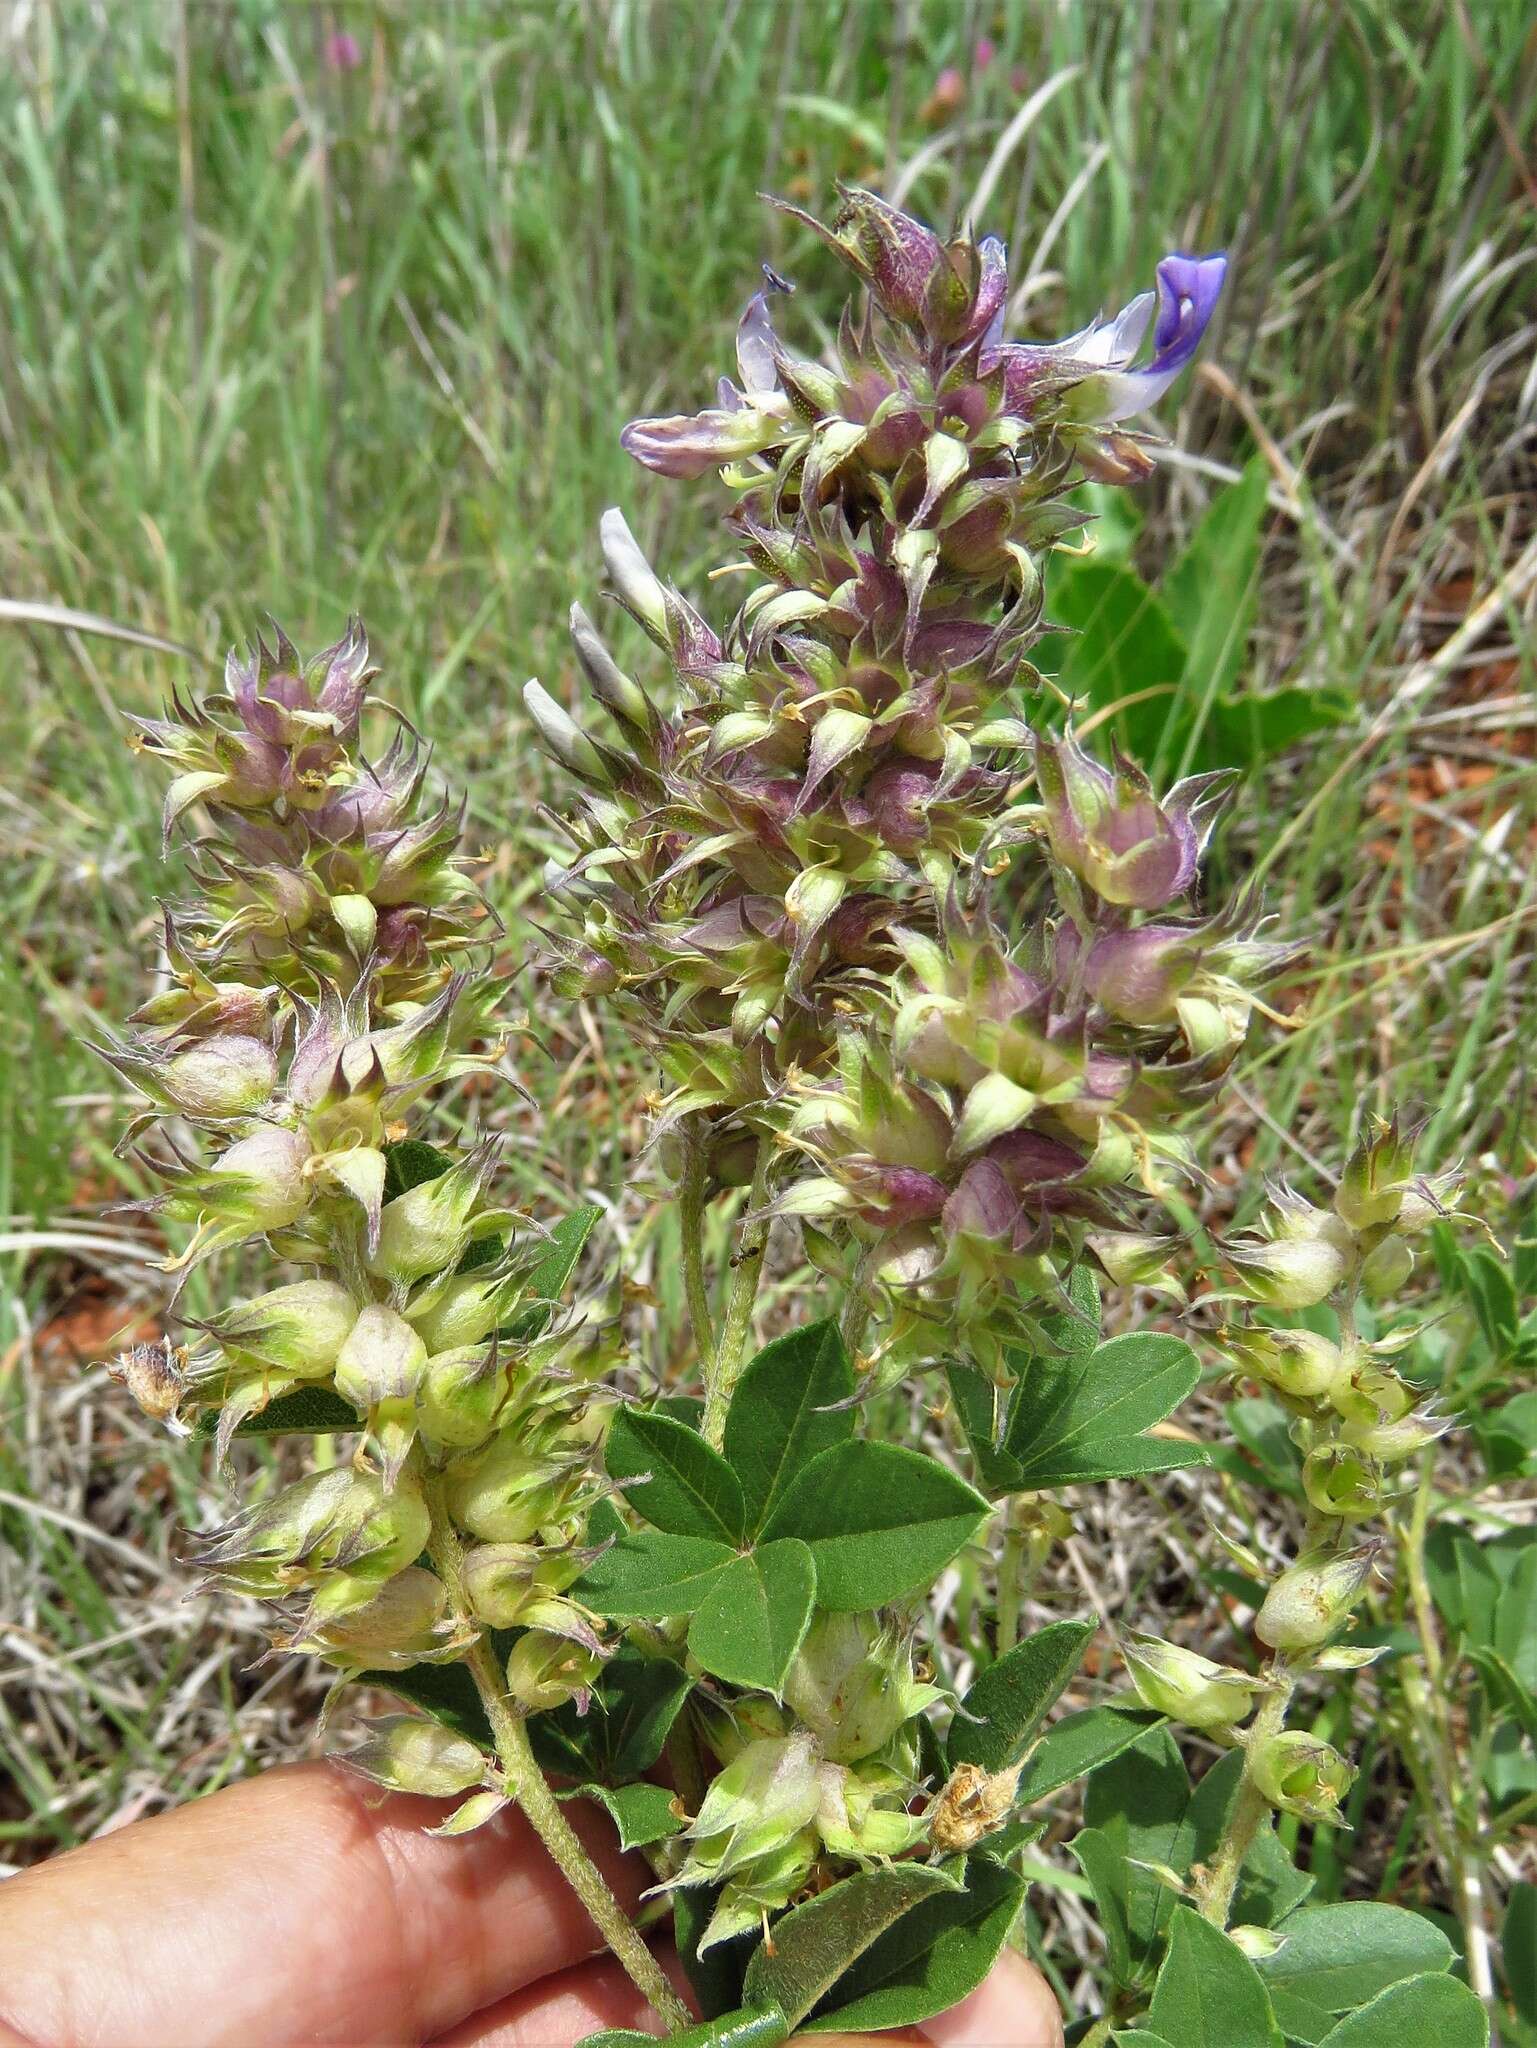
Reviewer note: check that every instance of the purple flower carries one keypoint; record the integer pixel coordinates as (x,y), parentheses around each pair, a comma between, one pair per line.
(342,51)
(744,422)
(1094,366)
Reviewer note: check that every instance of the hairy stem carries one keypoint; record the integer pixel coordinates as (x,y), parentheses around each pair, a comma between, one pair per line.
(726,1368)
(527,1784)
(1015,1577)
(1250,1807)
(691,1207)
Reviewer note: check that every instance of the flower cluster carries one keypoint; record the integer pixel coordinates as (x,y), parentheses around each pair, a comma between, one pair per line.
(786,869)
(322,989)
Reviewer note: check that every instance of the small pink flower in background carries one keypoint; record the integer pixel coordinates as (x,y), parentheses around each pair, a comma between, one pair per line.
(984,53)
(343,52)
(1019,79)
(947,97)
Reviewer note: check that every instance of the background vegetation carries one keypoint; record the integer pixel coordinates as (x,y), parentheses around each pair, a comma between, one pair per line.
(311,310)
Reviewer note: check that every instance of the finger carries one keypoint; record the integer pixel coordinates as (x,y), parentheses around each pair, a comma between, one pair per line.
(299,1905)
(1013,2009)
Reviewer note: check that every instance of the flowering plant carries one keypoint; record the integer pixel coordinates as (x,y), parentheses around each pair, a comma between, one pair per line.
(930,985)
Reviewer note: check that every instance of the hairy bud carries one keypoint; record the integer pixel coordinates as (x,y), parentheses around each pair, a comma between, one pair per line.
(1299,1774)
(1312,1600)
(1187,1686)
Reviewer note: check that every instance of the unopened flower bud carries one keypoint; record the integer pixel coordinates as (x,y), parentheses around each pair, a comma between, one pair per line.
(1366,1392)
(411,1755)
(1299,1774)
(222,1077)
(1405,1437)
(298,1329)
(546,1670)
(1372,1188)
(1312,1600)
(1137,1258)
(1386,1268)
(632,576)
(1187,1686)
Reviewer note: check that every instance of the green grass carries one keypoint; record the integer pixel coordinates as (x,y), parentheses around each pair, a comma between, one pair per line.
(280,338)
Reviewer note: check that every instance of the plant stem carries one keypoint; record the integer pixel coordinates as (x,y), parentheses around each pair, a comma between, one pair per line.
(526,1781)
(1014,1577)
(691,1205)
(1250,1807)
(726,1368)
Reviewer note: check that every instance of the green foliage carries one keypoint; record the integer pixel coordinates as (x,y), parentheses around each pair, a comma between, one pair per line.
(1006,1706)
(790,1404)
(1072,1419)
(1438,2009)
(1170,661)
(1335,1958)
(755,1614)
(1208,1994)
(880,1521)
(938,1952)
(1081,1743)
(815,1944)
(674,1479)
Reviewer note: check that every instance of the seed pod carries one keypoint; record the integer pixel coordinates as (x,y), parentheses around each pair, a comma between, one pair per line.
(401,1624)
(1299,1774)
(1312,1600)
(852,1685)
(1289,1273)
(427,1229)
(261,1181)
(382,1361)
(1386,1269)
(545,1670)
(1342,1481)
(461,1394)
(1298,1363)
(464,1309)
(222,1077)
(972,1805)
(1376,1178)
(499,1581)
(1187,1686)
(155,1375)
(299,1329)
(507,1494)
(411,1755)
(757,1804)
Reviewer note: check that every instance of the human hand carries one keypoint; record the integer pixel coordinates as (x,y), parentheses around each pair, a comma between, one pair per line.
(300,1907)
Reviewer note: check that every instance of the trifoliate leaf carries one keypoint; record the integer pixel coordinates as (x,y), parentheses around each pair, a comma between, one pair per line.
(880,1521)
(786,1410)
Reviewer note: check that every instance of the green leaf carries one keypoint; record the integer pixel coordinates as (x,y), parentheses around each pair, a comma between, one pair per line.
(306,1411)
(634,1703)
(1139,2037)
(647,1573)
(1008,1703)
(1136,1810)
(1209,1995)
(785,1412)
(750,1624)
(814,1944)
(715,1978)
(409,1163)
(1338,1957)
(881,1521)
(1124,641)
(642,1813)
(931,1959)
(672,1477)
(1083,1742)
(547,1281)
(1079,1419)
(983,1410)
(750,2027)
(446,1692)
(1518,1950)
(1211,594)
(1427,2010)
